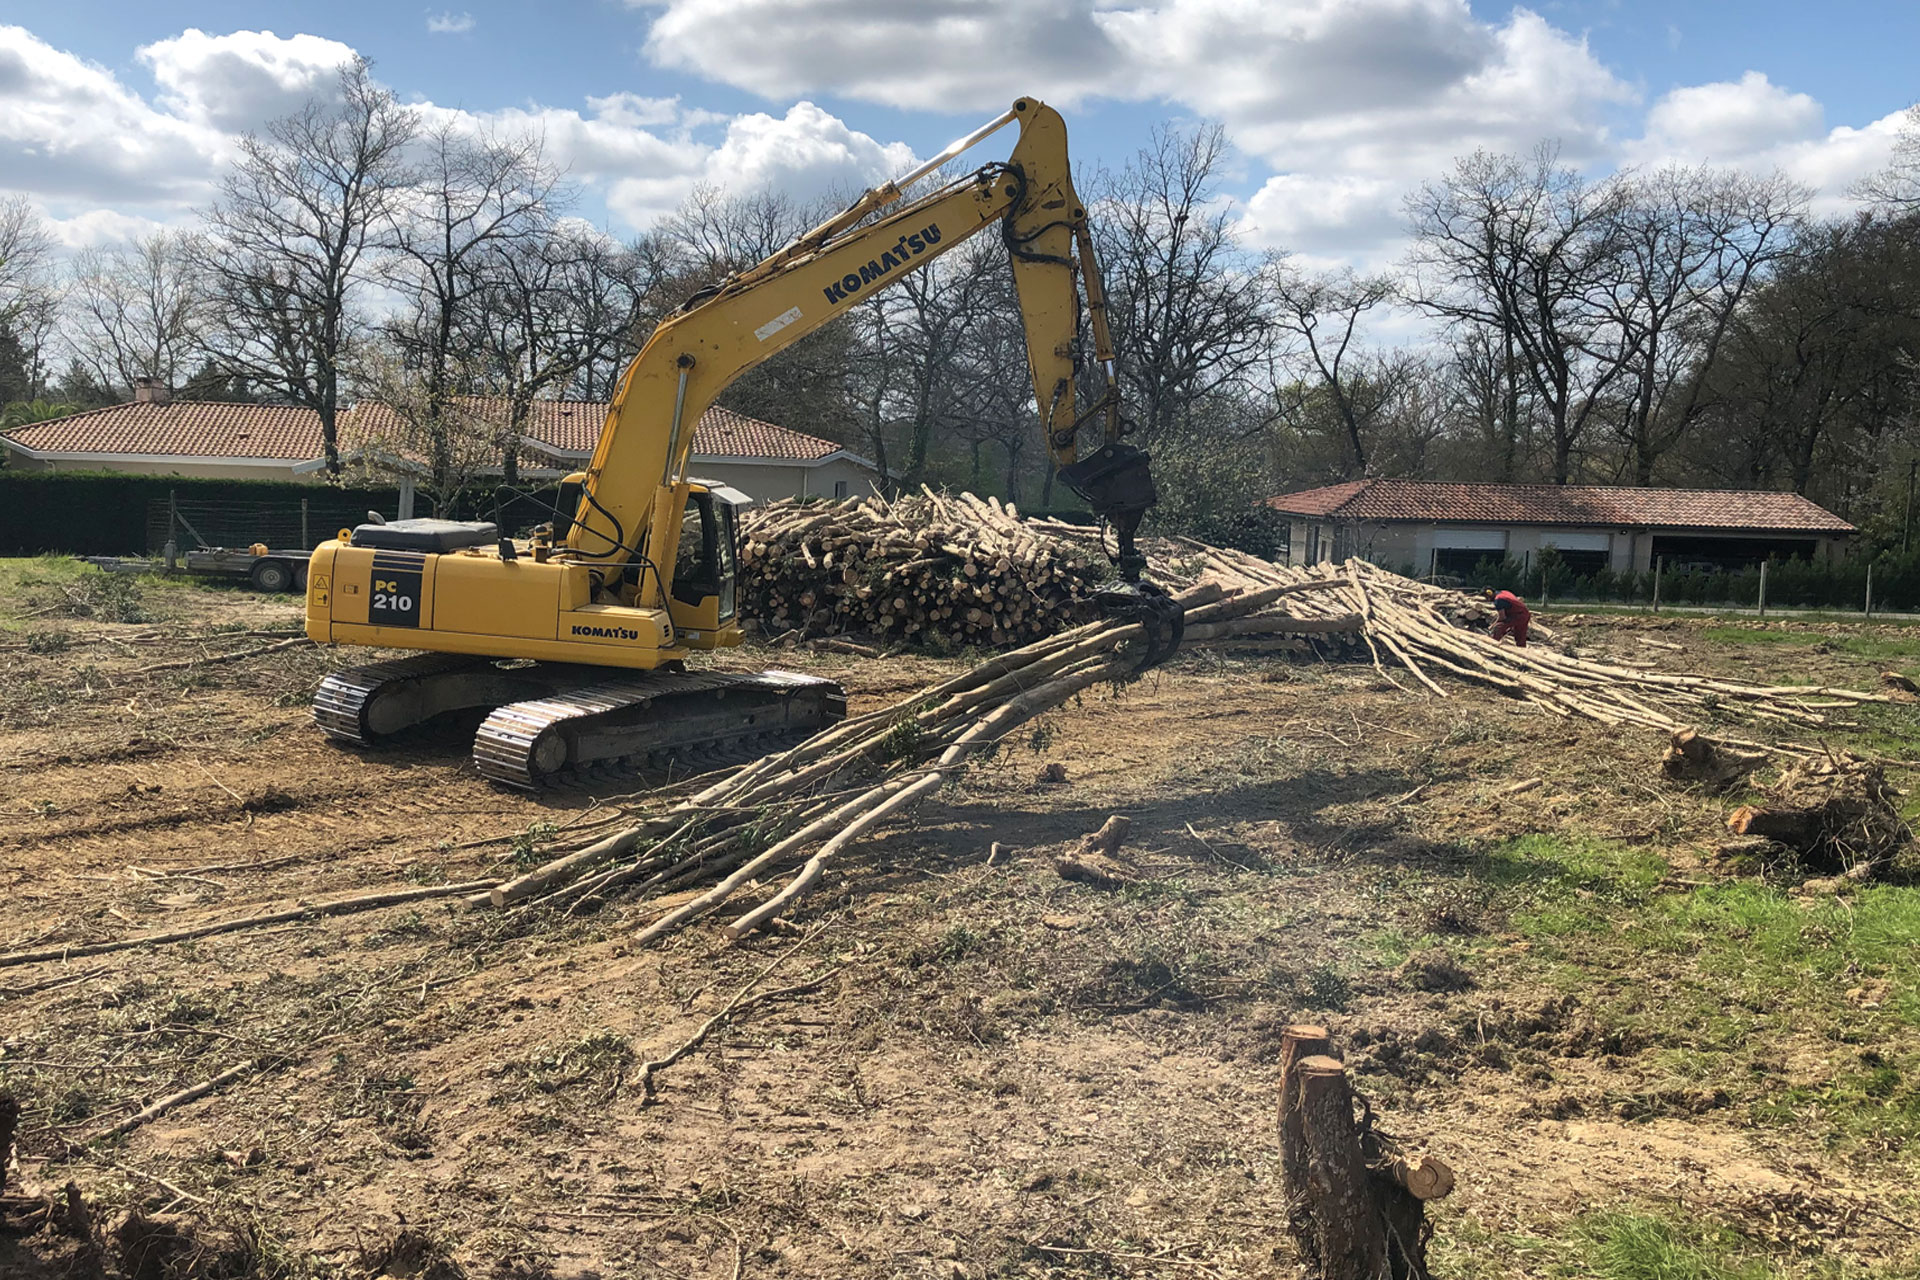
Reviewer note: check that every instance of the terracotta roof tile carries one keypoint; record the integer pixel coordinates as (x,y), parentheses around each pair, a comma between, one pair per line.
(181,428)
(215,429)
(574,426)
(1547,504)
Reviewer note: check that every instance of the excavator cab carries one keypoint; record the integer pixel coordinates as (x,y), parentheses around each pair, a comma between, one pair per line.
(704,600)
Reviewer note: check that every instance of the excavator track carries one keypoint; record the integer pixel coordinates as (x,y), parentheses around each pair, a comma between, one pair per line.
(682,722)
(557,724)
(345,699)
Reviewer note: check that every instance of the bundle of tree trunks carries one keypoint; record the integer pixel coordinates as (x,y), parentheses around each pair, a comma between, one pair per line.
(774,830)
(1409,626)
(927,569)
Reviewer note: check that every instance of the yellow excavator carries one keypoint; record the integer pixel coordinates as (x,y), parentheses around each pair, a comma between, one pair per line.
(645,573)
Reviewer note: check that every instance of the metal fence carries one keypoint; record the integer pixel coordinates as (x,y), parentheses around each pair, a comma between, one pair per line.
(284,524)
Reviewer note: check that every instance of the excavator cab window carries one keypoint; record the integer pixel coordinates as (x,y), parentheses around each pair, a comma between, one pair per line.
(704,565)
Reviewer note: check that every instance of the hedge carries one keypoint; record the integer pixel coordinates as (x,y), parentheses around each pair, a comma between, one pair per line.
(105,513)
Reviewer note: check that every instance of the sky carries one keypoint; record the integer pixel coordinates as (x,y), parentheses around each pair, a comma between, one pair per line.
(115,118)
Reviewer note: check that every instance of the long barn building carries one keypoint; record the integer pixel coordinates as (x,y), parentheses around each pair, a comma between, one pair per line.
(1449,528)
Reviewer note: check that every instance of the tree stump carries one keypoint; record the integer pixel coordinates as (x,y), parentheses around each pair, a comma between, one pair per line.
(1298,1042)
(9,1119)
(1348,1235)
(1095,860)
(1694,757)
(1355,1200)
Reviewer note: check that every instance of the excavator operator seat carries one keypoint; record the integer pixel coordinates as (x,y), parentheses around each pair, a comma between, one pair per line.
(434,537)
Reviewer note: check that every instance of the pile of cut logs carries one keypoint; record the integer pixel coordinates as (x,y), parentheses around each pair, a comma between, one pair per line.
(928,569)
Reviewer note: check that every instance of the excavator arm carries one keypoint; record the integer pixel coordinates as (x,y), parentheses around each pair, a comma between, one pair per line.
(636,485)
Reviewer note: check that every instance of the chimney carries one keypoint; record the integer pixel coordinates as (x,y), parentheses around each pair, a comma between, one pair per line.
(151,391)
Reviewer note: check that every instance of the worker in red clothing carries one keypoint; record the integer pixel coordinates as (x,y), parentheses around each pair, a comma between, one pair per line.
(1512,617)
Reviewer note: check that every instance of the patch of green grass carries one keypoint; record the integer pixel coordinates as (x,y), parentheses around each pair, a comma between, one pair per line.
(64,587)
(1555,885)
(1620,1244)
(1627,1246)
(1761,941)
(1876,648)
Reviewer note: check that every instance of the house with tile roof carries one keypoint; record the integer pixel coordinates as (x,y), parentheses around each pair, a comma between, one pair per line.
(1449,528)
(154,434)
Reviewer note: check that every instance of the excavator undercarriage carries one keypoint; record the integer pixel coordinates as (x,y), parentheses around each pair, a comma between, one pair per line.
(555,723)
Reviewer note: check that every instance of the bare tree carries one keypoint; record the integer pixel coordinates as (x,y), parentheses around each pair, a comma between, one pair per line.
(1692,243)
(29,297)
(26,254)
(1527,249)
(287,234)
(1896,188)
(1322,313)
(403,418)
(618,297)
(137,311)
(544,312)
(721,232)
(1183,305)
(715,233)
(1489,402)
(474,202)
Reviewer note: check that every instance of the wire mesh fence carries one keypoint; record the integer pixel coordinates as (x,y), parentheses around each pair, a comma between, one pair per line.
(284,524)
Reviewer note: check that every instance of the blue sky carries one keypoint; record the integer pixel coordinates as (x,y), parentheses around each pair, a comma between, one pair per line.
(114,119)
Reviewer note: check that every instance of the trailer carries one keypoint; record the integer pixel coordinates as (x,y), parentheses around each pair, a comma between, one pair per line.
(264,568)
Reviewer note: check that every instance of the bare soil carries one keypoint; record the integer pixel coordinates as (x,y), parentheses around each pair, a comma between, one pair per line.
(1000,1073)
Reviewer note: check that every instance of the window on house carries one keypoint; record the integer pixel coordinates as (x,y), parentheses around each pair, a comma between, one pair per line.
(839,488)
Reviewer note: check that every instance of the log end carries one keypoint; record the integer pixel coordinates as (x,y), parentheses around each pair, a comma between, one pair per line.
(1428,1177)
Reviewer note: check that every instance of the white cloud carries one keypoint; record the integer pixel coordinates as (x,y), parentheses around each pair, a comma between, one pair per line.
(1367,93)
(643,155)
(106,163)
(241,80)
(1727,122)
(1757,125)
(945,56)
(449,23)
(1316,215)
(805,154)
(70,131)
(102,227)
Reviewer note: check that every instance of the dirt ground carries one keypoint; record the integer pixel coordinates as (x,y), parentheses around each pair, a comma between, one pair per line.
(992,1071)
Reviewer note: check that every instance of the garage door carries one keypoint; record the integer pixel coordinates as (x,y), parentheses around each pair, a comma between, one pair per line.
(1578,541)
(1470,539)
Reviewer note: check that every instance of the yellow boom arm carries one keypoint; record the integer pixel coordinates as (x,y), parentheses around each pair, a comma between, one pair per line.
(636,485)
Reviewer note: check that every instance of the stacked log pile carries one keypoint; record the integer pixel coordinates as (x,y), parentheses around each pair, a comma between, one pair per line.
(945,570)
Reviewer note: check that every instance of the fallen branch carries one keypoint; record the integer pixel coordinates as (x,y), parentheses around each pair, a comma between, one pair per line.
(740,1002)
(157,1109)
(338,907)
(183,663)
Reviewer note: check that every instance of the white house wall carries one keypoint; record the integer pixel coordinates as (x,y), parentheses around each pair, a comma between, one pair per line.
(1397,545)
